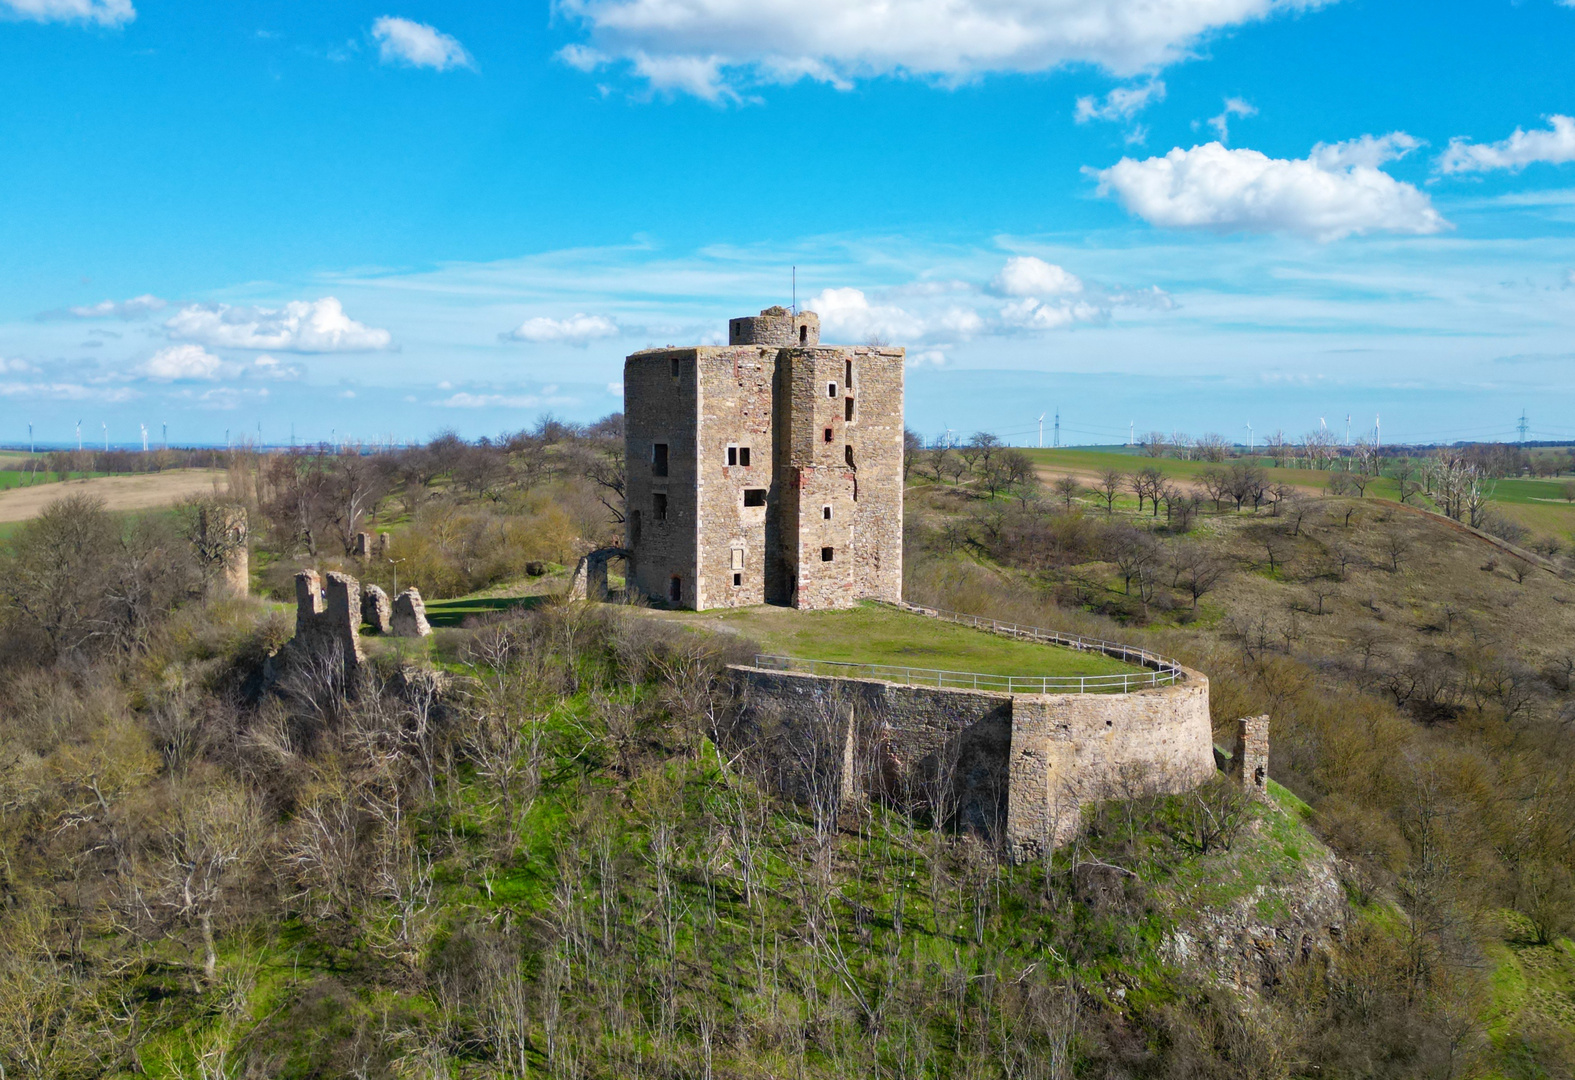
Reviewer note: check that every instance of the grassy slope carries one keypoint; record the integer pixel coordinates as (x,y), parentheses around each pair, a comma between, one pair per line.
(875,634)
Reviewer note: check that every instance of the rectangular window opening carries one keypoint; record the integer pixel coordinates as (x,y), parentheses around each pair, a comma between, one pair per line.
(803,335)
(659,458)
(732,455)
(847,409)
(754,496)
(738,580)
(743,456)
(831,389)
(659,506)
(825,513)
(675,367)
(675,589)
(847,375)
(826,554)
(828,434)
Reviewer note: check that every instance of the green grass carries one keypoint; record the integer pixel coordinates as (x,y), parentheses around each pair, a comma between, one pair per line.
(450,613)
(877,634)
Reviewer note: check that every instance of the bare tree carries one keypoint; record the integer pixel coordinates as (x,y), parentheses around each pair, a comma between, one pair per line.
(1109,485)
(1196,571)
(1067,487)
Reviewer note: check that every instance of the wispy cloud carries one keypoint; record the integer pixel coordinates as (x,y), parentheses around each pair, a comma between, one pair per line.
(101,12)
(1553,146)
(307,326)
(403,41)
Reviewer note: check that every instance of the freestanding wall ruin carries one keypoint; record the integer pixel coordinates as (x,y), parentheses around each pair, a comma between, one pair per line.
(222,548)
(1019,766)
(768,470)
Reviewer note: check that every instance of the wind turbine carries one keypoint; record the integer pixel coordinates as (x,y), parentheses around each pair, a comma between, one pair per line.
(105,425)
(79,436)
(1041,431)
(1251,446)
(144,438)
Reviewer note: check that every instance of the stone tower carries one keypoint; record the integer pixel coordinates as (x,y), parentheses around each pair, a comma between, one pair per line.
(222,547)
(767,470)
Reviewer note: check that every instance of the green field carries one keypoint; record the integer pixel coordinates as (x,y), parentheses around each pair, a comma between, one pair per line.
(877,634)
(451,613)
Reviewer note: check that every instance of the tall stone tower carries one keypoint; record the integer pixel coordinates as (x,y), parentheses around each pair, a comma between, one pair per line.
(766,470)
(222,547)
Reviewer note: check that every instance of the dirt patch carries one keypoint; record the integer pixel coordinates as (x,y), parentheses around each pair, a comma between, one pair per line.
(139,492)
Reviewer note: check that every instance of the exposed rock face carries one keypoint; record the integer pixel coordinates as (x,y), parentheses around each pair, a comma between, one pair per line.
(410,615)
(1251,939)
(377,609)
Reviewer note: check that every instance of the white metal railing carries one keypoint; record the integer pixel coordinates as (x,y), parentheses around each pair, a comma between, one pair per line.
(1113,649)
(972,680)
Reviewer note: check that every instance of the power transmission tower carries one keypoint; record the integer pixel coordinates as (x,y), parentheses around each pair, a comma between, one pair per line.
(1058,427)
(1523,427)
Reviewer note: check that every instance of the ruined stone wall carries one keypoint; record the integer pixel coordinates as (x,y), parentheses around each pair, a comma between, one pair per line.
(222,545)
(1022,765)
(660,407)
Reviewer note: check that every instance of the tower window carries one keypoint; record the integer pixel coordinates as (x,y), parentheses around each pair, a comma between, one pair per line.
(828,434)
(847,455)
(847,410)
(831,389)
(743,456)
(847,374)
(732,455)
(825,513)
(827,553)
(754,496)
(803,335)
(675,589)
(675,367)
(659,506)
(738,580)
(659,457)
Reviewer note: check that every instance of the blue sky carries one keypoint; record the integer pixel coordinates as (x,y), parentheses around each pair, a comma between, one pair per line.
(384,220)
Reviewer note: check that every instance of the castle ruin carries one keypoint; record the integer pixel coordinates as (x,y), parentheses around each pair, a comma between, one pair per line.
(221,547)
(766,470)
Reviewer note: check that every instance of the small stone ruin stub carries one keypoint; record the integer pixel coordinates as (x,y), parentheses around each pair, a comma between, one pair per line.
(410,615)
(377,609)
(363,545)
(1249,763)
(222,536)
(589,580)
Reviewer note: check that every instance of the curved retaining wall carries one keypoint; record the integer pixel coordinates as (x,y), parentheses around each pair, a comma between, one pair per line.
(1024,764)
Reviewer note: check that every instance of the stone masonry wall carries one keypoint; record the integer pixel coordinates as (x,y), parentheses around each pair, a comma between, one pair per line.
(222,546)
(660,407)
(1023,765)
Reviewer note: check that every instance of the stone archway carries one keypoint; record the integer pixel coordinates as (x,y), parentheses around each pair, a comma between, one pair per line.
(590,574)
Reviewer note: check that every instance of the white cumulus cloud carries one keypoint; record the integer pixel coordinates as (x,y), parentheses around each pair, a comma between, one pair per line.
(1337,191)
(1554,146)
(701,45)
(1122,103)
(182,362)
(1025,275)
(578,329)
(847,315)
(403,41)
(102,12)
(308,326)
(135,308)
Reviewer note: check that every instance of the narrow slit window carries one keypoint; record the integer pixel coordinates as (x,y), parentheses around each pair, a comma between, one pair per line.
(743,456)
(754,496)
(825,513)
(675,367)
(828,434)
(847,410)
(659,506)
(738,580)
(803,335)
(659,458)
(675,589)
(827,554)
(831,389)
(847,455)
(732,455)
(847,375)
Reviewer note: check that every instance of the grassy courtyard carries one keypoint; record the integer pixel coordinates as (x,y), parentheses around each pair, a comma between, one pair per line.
(876,634)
